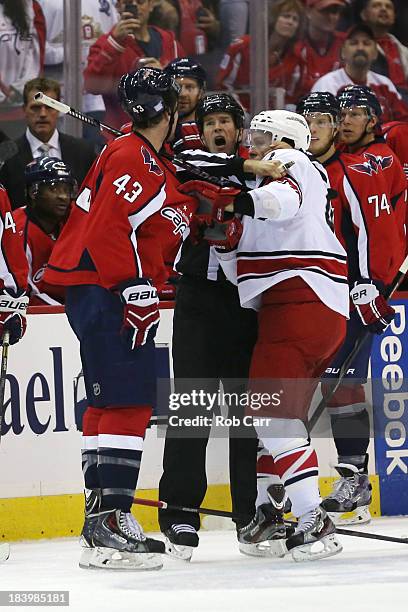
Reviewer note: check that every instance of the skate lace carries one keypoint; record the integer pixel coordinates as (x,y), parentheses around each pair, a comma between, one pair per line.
(307,521)
(130,527)
(344,489)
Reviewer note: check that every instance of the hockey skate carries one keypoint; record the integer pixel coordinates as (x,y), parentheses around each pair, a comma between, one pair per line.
(265,535)
(4,552)
(314,537)
(120,544)
(181,541)
(351,494)
(92,501)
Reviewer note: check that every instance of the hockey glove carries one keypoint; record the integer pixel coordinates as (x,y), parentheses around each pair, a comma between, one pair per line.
(213,200)
(141,314)
(198,225)
(224,236)
(13,307)
(372,307)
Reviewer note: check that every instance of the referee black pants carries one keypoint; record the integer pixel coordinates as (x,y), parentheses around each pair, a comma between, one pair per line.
(213,339)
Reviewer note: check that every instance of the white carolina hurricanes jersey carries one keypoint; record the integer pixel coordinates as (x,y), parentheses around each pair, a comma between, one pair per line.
(299,242)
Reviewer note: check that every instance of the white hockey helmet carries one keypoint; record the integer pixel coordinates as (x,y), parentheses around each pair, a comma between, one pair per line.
(284,125)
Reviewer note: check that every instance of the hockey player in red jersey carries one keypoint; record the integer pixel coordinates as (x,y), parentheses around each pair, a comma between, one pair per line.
(13,275)
(50,189)
(126,222)
(192,79)
(290,266)
(395,134)
(369,218)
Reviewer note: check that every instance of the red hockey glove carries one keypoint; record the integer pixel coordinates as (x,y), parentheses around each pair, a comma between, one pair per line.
(141,314)
(168,290)
(224,236)
(13,307)
(213,200)
(372,307)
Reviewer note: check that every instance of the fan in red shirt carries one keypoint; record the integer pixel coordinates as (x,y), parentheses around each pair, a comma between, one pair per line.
(320,47)
(129,45)
(286,67)
(50,188)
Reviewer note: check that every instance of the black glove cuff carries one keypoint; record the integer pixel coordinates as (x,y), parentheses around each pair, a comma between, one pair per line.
(244,205)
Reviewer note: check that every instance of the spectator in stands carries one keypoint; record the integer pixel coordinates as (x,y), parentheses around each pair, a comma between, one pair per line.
(234,16)
(392,59)
(132,43)
(320,47)
(358,53)
(286,68)
(97,18)
(42,138)
(194,23)
(22,35)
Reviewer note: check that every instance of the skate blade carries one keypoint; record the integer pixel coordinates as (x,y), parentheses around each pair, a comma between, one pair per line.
(180,553)
(326,547)
(85,557)
(359,516)
(269,548)
(112,559)
(4,552)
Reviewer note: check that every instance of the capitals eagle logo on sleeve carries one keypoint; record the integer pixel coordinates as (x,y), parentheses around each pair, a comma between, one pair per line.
(373,164)
(151,162)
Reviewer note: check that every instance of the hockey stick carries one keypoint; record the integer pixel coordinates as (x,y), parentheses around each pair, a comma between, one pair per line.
(362,534)
(3,373)
(358,345)
(183,164)
(72,112)
(346,532)
(165,506)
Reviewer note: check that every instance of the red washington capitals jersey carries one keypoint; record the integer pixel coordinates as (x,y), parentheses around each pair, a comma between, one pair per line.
(38,246)
(369,210)
(128,220)
(13,263)
(396,137)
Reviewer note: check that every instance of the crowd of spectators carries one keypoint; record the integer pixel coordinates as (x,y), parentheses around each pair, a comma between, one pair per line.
(312,45)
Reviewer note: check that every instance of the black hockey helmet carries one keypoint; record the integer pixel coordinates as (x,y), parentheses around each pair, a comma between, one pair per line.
(185,67)
(319,102)
(147,93)
(219,103)
(48,171)
(360,95)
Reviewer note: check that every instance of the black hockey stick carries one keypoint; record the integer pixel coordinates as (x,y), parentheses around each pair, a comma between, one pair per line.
(3,374)
(165,506)
(362,534)
(185,165)
(358,345)
(72,112)
(211,512)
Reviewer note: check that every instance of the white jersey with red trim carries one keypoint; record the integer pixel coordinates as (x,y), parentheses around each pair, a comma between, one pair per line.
(298,241)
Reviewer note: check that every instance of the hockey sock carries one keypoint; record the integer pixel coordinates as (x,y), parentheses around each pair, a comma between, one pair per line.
(351,433)
(121,433)
(265,476)
(90,447)
(298,470)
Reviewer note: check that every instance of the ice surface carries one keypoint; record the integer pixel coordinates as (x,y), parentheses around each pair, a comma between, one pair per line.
(368,576)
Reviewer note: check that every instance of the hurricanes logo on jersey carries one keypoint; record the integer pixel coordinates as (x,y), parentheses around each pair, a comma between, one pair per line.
(373,164)
(149,161)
